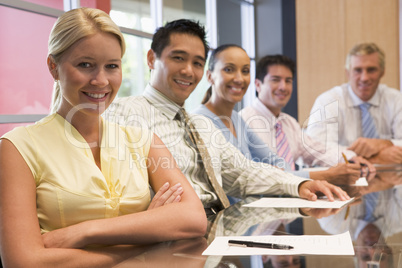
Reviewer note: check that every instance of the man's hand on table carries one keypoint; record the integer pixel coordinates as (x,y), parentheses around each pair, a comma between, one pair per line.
(367,147)
(309,190)
(389,155)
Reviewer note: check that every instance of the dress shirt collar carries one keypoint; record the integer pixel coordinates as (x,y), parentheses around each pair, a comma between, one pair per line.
(161,102)
(264,111)
(356,101)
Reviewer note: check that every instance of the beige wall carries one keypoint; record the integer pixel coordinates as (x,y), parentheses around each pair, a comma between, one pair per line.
(327,29)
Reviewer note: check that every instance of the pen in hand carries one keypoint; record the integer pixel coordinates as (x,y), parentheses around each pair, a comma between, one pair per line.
(361,164)
(249,244)
(352,162)
(344,158)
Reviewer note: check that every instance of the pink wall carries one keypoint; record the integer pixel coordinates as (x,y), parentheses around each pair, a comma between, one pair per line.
(58,4)
(100,4)
(25,83)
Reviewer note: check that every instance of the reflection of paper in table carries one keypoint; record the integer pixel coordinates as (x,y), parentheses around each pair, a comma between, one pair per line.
(361,182)
(303,244)
(296,203)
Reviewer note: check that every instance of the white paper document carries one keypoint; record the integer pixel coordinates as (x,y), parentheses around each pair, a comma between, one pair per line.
(361,182)
(266,202)
(303,244)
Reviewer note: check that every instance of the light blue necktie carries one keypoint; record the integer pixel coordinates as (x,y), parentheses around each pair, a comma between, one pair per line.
(368,127)
(370,202)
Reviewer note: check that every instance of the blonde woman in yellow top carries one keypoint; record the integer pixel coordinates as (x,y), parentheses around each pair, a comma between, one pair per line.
(73,180)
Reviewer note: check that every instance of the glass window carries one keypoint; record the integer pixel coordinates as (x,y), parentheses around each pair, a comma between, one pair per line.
(135,69)
(134,14)
(25,83)
(198,94)
(57,4)
(184,9)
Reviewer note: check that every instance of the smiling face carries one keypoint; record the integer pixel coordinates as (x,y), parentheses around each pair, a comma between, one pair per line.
(364,75)
(89,73)
(370,242)
(230,77)
(283,261)
(180,67)
(276,88)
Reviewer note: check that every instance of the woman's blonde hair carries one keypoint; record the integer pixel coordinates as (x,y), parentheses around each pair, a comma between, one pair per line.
(71,27)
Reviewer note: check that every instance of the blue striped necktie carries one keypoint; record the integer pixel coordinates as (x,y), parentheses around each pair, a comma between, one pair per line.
(370,203)
(368,127)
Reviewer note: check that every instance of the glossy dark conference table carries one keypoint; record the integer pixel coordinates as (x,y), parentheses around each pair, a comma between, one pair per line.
(377,241)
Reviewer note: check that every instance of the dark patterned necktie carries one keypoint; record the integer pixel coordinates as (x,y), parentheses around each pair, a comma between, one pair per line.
(206,159)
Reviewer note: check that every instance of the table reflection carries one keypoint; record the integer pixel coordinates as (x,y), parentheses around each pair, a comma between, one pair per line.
(183,253)
(375,216)
(374,221)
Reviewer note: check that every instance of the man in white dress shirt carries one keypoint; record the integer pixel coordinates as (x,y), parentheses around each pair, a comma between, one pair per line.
(274,86)
(337,117)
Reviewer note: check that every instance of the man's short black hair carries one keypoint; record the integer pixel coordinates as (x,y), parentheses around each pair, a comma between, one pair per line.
(161,38)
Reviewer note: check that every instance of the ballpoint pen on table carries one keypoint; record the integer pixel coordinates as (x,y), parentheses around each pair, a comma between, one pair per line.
(240,243)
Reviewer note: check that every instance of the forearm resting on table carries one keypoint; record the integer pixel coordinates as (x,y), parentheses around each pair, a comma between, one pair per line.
(55,257)
(335,175)
(319,175)
(388,155)
(340,174)
(172,222)
(368,147)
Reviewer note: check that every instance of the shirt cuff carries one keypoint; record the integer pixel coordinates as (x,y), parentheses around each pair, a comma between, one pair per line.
(396,142)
